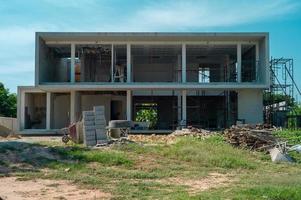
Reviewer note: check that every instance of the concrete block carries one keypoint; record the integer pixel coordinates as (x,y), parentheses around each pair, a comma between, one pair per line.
(98,108)
(89,118)
(89,123)
(88,113)
(89,128)
(90,143)
(99,117)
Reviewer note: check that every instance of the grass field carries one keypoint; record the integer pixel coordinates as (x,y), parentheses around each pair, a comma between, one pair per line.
(188,169)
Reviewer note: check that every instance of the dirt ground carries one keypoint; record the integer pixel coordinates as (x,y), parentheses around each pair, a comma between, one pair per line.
(12,188)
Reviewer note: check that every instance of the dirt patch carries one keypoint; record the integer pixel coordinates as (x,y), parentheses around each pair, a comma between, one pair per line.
(12,188)
(214,180)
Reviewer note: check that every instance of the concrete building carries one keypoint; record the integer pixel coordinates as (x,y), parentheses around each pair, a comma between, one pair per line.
(209,80)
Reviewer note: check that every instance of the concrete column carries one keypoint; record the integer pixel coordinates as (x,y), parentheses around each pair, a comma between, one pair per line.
(184,108)
(183,63)
(250,105)
(128,63)
(112,63)
(21,117)
(257,63)
(239,63)
(72,67)
(48,110)
(72,107)
(179,107)
(129,105)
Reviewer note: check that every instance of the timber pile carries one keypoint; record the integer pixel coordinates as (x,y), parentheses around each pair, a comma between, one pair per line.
(254,137)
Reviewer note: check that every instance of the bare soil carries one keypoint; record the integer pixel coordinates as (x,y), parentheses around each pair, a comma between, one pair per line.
(214,180)
(13,188)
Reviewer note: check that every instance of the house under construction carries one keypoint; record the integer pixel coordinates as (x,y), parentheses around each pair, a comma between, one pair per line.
(208,80)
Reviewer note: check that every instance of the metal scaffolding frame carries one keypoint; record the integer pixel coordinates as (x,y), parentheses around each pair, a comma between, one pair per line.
(281,82)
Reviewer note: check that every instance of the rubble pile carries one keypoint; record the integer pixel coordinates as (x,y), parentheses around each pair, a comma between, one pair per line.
(254,137)
(193,131)
(170,138)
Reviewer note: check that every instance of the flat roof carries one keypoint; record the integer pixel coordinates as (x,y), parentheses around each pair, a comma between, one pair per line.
(151,36)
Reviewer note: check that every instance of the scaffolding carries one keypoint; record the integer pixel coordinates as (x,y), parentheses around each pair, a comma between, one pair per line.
(282,84)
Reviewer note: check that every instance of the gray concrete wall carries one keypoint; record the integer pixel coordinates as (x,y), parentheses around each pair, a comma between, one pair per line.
(250,105)
(88,101)
(9,122)
(60,110)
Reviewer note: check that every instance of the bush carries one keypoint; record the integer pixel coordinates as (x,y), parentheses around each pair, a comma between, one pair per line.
(147,115)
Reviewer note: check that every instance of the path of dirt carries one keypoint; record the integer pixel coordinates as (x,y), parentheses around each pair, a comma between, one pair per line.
(12,188)
(214,180)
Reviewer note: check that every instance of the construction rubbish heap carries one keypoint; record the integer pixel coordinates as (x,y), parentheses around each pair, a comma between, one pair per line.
(255,137)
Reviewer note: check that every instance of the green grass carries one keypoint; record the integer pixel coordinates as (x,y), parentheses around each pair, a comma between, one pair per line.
(135,171)
(291,136)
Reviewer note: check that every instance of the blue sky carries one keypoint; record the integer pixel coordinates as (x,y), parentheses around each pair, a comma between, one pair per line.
(19,20)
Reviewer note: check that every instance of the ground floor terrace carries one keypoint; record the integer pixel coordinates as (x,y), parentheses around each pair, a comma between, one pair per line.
(150,110)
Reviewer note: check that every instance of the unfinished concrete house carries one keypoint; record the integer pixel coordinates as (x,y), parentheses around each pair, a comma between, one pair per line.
(208,80)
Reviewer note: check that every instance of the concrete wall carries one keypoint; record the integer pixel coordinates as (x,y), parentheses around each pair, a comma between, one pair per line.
(60,110)
(9,122)
(90,100)
(250,106)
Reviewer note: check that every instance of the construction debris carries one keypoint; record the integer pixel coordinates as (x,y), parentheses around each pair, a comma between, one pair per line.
(189,131)
(193,131)
(254,137)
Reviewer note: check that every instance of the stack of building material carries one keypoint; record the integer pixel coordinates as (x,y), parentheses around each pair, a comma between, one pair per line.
(250,136)
(100,124)
(89,128)
(94,124)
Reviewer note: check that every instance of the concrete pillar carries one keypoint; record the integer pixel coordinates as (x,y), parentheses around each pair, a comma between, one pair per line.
(184,108)
(48,110)
(21,117)
(128,63)
(72,107)
(72,67)
(112,63)
(250,105)
(179,107)
(129,105)
(183,63)
(239,63)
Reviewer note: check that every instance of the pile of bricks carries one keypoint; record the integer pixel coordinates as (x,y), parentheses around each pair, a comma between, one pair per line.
(94,126)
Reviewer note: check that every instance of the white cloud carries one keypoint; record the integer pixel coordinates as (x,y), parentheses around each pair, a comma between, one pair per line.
(183,15)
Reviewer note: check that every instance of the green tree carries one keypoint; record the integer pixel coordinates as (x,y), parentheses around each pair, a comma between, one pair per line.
(8,102)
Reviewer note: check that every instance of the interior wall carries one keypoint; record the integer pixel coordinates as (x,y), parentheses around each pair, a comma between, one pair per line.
(52,66)
(88,101)
(35,110)
(60,112)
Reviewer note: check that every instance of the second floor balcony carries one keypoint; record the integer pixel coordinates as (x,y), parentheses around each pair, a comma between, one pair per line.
(143,63)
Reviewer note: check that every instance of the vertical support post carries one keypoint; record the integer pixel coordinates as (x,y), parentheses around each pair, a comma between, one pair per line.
(129,105)
(184,108)
(72,67)
(112,63)
(179,107)
(72,107)
(128,63)
(257,64)
(239,62)
(22,110)
(48,110)
(183,63)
